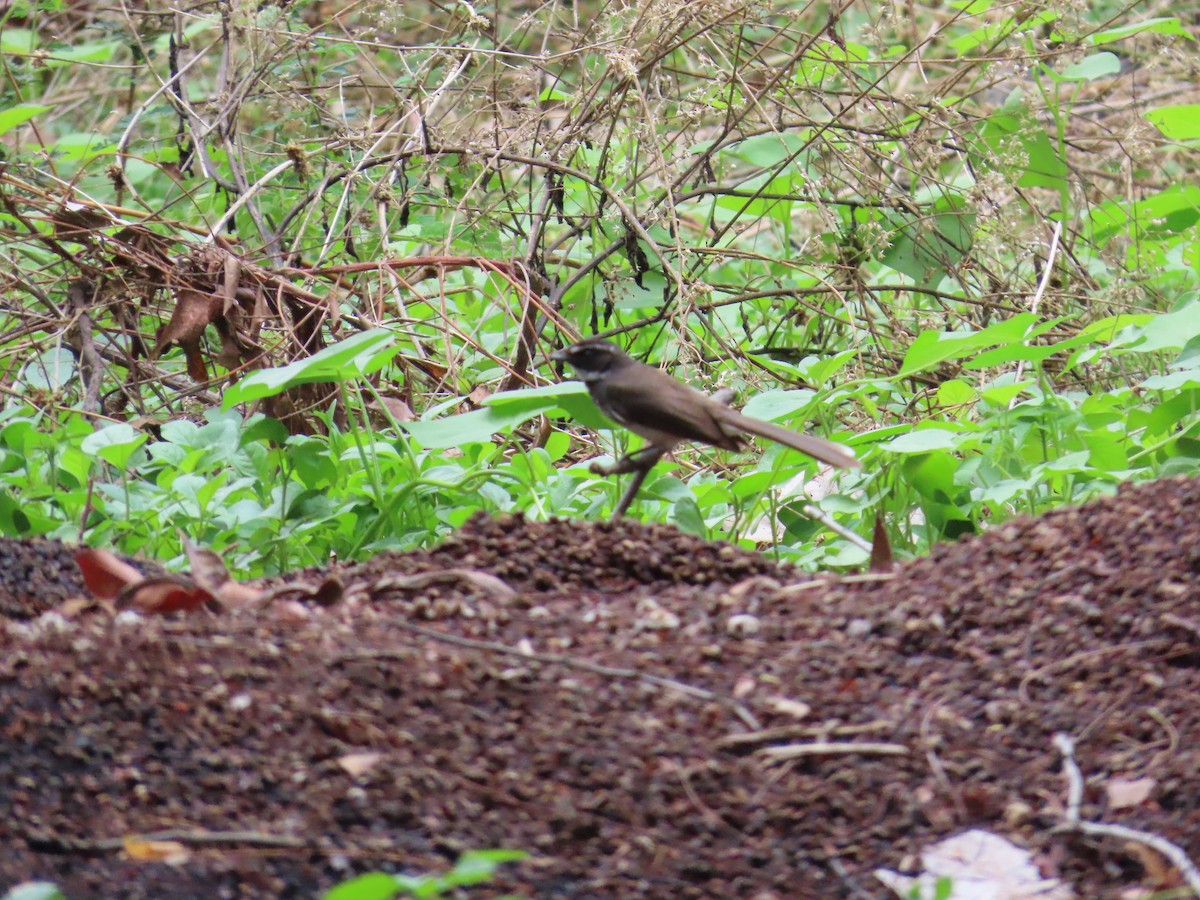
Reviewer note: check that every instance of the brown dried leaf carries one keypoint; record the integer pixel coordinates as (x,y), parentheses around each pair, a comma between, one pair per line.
(166,595)
(881,548)
(1124,793)
(399,410)
(235,595)
(358,764)
(171,852)
(1159,871)
(72,608)
(105,575)
(208,569)
(194,311)
(329,592)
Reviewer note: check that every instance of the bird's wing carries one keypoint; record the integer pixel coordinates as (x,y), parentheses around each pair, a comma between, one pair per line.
(666,411)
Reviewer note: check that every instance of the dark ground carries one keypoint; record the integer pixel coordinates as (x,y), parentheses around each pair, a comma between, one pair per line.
(1086,621)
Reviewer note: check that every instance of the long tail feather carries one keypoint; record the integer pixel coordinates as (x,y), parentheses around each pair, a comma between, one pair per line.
(826,451)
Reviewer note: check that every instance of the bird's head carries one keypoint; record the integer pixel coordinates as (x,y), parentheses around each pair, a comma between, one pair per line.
(592,359)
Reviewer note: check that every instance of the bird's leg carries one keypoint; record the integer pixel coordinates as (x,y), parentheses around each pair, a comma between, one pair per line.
(637,461)
(644,462)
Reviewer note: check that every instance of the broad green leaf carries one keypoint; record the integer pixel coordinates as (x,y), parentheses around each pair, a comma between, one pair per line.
(1097,65)
(355,357)
(1035,164)
(931,348)
(1106,451)
(773,405)
(114,443)
(1177,123)
(17,41)
(22,112)
(49,370)
(503,412)
(1173,210)
(99,52)
(956,393)
(928,246)
(924,440)
(1161,25)
(373,886)
(819,370)
(35,890)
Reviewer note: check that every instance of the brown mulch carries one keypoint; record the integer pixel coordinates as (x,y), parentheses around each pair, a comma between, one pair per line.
(624,753)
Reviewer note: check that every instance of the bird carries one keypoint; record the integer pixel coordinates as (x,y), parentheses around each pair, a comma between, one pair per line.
(667,412)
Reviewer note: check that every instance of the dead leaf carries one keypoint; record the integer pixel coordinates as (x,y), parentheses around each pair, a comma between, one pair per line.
(744,686)
(881,548)
(396,408)
(329,592)
(72,608)
(208,569)
(171,852)
(1124,793)
(1159,872)
(169,594)
(194,311)
(478,395)
(358,764)
(211,575)
(235,595)
(797,709)
(105,575)
(979,864)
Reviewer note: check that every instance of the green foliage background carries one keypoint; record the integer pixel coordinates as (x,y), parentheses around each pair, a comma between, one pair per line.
(960,238)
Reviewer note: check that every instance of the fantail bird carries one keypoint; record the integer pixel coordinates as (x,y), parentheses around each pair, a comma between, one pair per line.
(667,412)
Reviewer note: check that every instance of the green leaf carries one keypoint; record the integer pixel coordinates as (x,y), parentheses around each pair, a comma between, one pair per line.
(35,890)
(114,443)
(49,370)
(926,247)
(1014,142)
(355,357)
(1162,25)
(924,440)
(1173,210)
(18,41)
(773,405)
(504,411)
(819,370)
(373,886)
(956,393)
(476,866)
(931,348)
(99,52)
(22,112)
(1177,123)
(1097,65)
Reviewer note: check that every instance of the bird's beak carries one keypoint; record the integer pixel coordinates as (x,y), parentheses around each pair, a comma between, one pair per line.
(559,355)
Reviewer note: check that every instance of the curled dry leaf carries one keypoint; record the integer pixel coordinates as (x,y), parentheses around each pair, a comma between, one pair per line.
(105,575)
(210,573)
(208,569)
(169,594)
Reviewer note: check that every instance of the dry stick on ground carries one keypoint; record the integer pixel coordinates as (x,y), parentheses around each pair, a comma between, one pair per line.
(1172,852)
(50,843)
